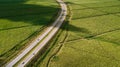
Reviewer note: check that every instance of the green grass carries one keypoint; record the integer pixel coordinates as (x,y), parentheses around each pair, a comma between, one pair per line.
(51,48)
(87,53)
(94,35)
(20,20)
(94,25)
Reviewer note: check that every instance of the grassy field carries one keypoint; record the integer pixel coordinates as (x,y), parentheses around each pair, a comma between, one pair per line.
(20,20)
(93,36)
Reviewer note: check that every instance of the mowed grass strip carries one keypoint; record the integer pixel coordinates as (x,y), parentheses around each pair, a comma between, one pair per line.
(94,35)
(19,20)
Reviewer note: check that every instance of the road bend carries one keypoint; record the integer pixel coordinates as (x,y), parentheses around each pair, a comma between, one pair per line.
(44,38)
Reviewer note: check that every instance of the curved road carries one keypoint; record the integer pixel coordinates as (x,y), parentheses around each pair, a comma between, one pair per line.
(43,39)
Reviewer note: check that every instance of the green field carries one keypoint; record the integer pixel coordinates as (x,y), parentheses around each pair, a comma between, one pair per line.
(93,36)
(20,20)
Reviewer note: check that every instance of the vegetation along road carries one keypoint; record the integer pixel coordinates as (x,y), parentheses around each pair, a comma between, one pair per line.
(21,21)
(89,38)
(29,53)
(93,36)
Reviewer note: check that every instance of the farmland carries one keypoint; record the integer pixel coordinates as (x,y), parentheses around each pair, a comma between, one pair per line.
(93,36)
(20,21)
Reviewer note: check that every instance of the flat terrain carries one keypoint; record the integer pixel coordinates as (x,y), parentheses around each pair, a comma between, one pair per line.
(36,46)
(20,20)
(93,36)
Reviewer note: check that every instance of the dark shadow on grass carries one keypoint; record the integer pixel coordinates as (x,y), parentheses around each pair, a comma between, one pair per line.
(34,15)
(28,13)
(69,3)
(96,36)
(75,29)
(12,1)
(78,29)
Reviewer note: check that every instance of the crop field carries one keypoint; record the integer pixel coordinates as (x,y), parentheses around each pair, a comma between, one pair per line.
(93,36)
(20,20)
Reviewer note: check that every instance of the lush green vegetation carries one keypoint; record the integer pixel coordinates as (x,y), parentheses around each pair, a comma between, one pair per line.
(20,20)
(94,36)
